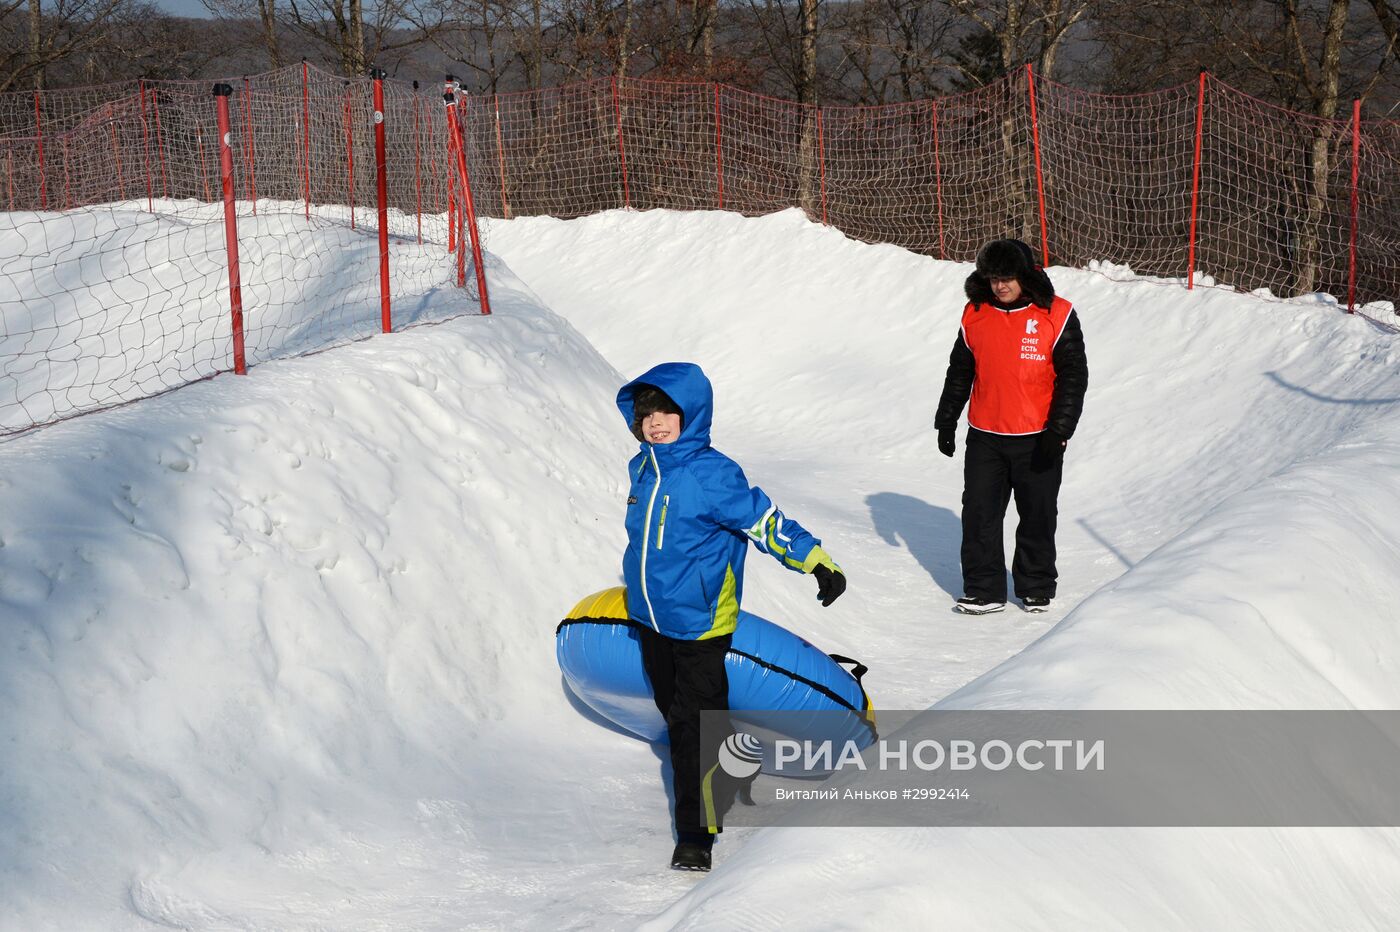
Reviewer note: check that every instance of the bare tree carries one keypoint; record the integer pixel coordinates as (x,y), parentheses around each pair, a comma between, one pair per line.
(1322,82)
(1006,23)
(1306,55)
(584,37)
(30,45)
(36,26)
(623,43)
(476,36)
(1026,30)
(263,12)
(141,42)
(268,20)
(1386,16)
(339,27)
(856,32)
(703,33)
(533,51)
(896,48)
(1055,20)
(807,95)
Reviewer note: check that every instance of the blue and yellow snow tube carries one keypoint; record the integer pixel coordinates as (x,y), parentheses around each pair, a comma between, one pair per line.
(774,676)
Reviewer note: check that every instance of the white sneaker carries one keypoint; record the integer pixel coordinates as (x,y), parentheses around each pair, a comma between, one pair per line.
(973,606)
(1036,603)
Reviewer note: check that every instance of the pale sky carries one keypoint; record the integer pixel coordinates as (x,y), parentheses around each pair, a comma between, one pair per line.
(190,8)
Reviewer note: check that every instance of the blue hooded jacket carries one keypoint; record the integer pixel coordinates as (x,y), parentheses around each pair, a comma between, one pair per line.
(690,517)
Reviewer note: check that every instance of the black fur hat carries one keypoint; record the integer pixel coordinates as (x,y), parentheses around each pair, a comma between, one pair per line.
(1009,258)
(648,399)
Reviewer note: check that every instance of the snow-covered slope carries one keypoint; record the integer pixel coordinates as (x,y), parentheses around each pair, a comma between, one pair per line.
(828,356)
(1231,502)
(279,650)
(260,628)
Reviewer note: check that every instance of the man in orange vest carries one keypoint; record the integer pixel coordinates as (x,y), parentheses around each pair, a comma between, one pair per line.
(1020,357)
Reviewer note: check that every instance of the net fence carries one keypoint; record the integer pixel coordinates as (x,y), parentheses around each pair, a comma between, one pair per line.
(114,272)
(114,267)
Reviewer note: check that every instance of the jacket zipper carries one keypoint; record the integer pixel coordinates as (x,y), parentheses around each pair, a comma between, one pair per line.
(646,538)
(661,528)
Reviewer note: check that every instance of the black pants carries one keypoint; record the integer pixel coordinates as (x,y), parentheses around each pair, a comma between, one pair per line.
(994,469)
(687,678)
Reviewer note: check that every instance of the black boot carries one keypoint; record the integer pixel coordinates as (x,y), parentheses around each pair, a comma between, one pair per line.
(692,852)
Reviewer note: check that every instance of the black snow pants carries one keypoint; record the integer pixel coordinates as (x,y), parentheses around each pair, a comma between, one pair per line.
(996,468)
(687,678)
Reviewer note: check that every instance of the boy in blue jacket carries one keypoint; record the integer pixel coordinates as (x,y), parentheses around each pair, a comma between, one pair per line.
(691,515)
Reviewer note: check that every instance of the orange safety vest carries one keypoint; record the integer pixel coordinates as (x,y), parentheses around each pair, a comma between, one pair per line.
(1015,377)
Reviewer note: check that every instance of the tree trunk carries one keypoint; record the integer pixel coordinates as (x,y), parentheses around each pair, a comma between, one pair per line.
(488,33)
(808,191)
(1018,220)
(536,64)
(623,40)
(36,57)
(356,58)
(1050,45)
(1055,27)
(1011,36)
(1047,61)
(267,13)
(1310,243)
(809,52)
(707,38)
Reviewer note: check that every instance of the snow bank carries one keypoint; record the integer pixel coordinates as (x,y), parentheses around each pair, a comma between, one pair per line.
(279,649)
(1235,471)
(257,624)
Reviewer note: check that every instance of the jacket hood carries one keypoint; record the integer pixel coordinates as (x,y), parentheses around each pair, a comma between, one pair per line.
(690,390)
(1009,258)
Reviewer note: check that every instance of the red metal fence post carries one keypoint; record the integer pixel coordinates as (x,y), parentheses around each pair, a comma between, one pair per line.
(146,147)
(349,155)
(501,156)
(621,152)
(251,152)
(39,133)
(1196,184)
(306,134)
(235,291)
(938,179)
(719,150)
(459,143)
(468,205)
(1355,201)
(448,88)
(1039,177)
(381,187)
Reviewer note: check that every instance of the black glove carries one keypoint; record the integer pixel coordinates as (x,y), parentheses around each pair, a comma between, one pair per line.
(830,584)
(1049,450)
(947,441)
